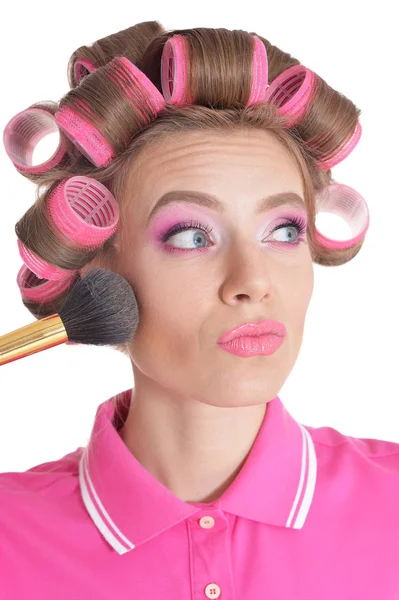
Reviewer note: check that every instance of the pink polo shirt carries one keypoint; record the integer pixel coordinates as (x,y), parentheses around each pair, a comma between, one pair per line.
(312,515)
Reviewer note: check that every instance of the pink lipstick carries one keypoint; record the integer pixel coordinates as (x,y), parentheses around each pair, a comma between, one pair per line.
(249,339)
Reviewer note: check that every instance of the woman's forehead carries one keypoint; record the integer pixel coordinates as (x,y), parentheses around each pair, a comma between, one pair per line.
(199,158)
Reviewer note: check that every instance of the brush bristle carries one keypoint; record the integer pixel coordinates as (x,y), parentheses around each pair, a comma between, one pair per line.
(101,310)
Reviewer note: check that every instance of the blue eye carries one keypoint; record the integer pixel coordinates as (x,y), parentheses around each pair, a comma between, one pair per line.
(179,227)
(296,223)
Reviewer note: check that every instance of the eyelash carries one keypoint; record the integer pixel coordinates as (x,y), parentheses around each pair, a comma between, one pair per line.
(296,222)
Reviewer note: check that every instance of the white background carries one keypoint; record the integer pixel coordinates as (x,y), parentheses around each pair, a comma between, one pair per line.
(346,373)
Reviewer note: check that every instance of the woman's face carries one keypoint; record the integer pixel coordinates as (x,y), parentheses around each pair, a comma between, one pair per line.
(225,269)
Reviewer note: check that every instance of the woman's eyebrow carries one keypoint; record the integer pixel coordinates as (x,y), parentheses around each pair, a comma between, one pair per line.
(210,201)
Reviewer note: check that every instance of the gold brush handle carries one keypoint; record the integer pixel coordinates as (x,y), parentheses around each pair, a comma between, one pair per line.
(43,334)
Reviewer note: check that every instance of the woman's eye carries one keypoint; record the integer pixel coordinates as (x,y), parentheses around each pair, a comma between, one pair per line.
(188,239)
(290,234)
(189,236)
(298,224)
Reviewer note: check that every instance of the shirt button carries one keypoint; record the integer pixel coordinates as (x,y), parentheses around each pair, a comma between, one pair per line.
(207,522)
(212,590)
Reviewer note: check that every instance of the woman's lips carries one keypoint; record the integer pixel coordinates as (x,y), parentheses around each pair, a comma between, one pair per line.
(253,345)
(265,327)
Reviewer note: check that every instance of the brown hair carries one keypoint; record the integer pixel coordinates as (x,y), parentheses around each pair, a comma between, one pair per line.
(220,101)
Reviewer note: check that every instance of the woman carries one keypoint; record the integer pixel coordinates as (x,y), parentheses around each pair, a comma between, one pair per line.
(197,482)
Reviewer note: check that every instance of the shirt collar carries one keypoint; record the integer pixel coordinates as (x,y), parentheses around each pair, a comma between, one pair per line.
(130,506)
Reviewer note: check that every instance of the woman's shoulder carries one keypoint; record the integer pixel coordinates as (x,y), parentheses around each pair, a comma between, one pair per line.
(43,479)
(355,453)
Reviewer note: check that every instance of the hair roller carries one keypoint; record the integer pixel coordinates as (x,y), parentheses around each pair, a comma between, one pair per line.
(41,268)
(174,65)
(294,92)
(174,71)
(260,73)
(81,68)
(84,211)
(348,204)
(88,128)
(23,132)
(343,152)
(85,135)
(130,42)
(183,54)
(33,289)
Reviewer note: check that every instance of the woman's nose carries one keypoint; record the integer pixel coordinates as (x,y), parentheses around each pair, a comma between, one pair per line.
(247,275)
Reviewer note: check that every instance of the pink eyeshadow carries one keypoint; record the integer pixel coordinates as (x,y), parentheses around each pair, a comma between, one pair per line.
(172,215)
(169,217)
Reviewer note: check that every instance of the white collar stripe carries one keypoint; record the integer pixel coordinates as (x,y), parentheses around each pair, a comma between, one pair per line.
(300,485)
(99,519)
(311,479)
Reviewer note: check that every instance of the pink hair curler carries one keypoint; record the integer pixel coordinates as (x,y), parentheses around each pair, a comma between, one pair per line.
(82,68)
(39,267)
(34,289)
(23,132)
(345,202)
(84,134)
(174,69)
(291,92)
(84,210)
(260,73)
(346,149)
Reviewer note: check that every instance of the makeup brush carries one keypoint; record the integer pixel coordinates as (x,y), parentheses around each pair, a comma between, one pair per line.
(100,310)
